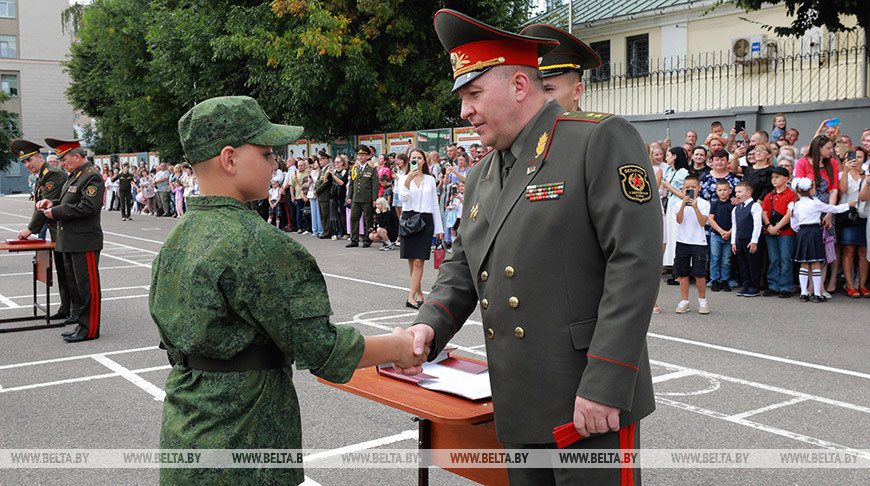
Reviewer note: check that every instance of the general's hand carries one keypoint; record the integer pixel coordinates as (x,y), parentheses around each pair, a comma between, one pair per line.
(47,214)
(423,337)
(593,417)
(24,234)
(408,359)
(44,204)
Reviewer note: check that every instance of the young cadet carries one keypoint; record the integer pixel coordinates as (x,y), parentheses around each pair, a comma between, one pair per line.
(49,182)
(236,302)
(604,247)
(79,236)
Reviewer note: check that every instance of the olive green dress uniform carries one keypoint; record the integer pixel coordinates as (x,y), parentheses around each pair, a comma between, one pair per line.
(363,192)
(223,281)
(561,260)
(49,184)
(79,240)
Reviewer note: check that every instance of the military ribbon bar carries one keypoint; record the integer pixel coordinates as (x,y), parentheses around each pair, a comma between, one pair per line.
(540,192)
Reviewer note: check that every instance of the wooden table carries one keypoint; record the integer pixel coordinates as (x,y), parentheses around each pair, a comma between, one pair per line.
(445,421)
(42,263)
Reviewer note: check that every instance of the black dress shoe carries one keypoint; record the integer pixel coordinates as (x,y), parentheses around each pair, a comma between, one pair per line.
(351,245)
(785,294)
(672,281)
(410,305)
(770,293)
(716,286)
(324,237)
(71,320)
(77,338)
(59,315)
(73,332)
(367,244)
(804,298)
(817,299)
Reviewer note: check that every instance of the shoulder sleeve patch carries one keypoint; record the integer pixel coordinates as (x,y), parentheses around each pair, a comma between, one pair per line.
(91,191)
(587,116)
(635,183)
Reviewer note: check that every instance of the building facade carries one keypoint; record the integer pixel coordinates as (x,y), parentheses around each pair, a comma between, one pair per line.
(32,46)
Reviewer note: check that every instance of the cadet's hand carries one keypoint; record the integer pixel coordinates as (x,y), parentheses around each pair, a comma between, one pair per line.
(593,417)
(408,359)
(753,247)
(44,204)
(423,337)
(24,234)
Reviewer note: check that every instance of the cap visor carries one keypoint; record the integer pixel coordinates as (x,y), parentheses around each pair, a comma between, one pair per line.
(277,135)
(467,78)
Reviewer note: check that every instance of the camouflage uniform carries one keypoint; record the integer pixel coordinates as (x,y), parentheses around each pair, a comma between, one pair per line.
(224,280)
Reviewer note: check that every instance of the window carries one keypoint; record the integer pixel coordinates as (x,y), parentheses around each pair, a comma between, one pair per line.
(7,9)
(637,56)
(9,84)
(8,46)
(602,49)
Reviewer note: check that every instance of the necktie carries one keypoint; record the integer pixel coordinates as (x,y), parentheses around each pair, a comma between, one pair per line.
(507,161)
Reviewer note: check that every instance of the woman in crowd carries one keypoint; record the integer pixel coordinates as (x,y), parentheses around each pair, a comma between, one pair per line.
(718,171)
(383,169)
(189,183)
(672,180)
(146,188)
(699,162)
(853,235)
(786,158)
(455,175)
(386,225)
(419,200)
(313,175)
(338,195)
(825,171)
(758,174)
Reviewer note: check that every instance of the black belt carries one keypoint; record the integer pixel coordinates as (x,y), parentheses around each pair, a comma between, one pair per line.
(254,357)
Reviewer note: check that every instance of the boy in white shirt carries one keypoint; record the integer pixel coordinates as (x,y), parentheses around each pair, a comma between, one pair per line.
(745,231)
(274,197)
(691,250)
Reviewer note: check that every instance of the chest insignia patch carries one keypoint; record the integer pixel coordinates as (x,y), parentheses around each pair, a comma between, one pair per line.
(541,192)
(73,189)
(91,191)
(542,144)
(634,183)
(474,211)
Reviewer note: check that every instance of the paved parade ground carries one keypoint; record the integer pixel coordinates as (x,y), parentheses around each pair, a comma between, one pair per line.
(763,373)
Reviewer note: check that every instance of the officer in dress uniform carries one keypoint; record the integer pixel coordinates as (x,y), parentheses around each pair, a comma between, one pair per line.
(562,68)
(49,181)
(565,328)
(79,236)
(362,193)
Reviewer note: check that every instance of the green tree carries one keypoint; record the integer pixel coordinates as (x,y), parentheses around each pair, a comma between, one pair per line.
(337,67)
(9,131)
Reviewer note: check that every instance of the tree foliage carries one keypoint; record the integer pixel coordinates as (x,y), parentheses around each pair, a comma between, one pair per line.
(337,67)
(9,131)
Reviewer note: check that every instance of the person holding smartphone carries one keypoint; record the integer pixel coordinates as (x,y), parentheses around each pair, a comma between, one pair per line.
(691,252)
(852,227)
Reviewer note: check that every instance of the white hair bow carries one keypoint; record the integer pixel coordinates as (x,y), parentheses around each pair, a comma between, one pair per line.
(802,183)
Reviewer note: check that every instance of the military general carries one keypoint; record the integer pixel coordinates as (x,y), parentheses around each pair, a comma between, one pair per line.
(566,327)
(362,193)
(79,236)
(49,182)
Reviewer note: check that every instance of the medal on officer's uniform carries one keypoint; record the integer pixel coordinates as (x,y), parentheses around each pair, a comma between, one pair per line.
(474,210)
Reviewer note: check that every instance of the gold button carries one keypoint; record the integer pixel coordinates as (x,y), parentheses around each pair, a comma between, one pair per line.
(519,333)
(484,304)
(509,272)
(484,275)
(490,333)
(514,302)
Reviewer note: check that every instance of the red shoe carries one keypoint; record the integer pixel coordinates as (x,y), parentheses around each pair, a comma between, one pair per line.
(864,292)
(852,293)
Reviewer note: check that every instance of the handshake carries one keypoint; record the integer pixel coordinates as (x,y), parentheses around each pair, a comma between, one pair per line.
(407,349)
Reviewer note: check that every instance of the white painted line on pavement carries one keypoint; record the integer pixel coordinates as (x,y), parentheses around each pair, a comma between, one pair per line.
(369,282)
(22,274)
(309,482)
(406,435)
(104,299)
(144,265)
(9,302)
(774,406)
(58,382)
(145,287)
(73,358)
(134,237)
(133,378)
(763,356)
(672,376)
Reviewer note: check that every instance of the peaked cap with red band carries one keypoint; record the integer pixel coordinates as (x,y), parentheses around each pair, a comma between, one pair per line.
(475,47)
(24,149)
(61,147)
(572,54)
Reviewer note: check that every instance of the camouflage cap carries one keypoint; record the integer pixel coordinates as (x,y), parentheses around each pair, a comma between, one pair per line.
(229,120)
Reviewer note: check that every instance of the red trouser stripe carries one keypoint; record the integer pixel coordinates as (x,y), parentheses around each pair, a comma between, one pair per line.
(94,321)
(626,443)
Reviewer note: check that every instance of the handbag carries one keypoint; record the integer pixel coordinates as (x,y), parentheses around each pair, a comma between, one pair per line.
(849,218)
(830,251)
(438,254)
(410,225)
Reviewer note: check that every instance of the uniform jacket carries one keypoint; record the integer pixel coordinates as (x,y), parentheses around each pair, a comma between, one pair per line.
(78,211)
(49,183)
(364,186)
(564,262)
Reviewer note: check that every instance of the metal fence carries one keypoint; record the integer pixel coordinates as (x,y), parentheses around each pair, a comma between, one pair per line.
(811,69)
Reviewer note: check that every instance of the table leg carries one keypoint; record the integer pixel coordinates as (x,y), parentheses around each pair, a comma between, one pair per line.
(424,443)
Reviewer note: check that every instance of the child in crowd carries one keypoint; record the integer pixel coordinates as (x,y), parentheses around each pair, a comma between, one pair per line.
(779,235)
(778,127)
(745,231)
(386,183)
(236,303)
(720,237)
(717,132)
(806,214)
(274,197)
(452,214)
(691,251)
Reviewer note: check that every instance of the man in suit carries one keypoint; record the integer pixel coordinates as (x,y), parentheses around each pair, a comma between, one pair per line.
(565,328)
(49,182)
(362,192)
(79,236)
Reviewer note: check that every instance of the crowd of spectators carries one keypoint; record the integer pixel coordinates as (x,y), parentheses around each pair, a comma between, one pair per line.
(739,191)
(161,191)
